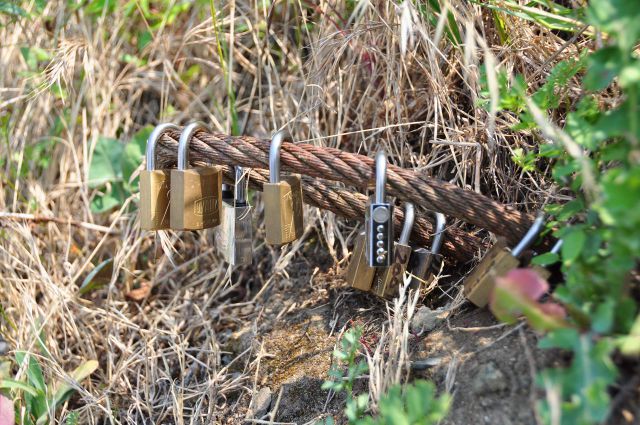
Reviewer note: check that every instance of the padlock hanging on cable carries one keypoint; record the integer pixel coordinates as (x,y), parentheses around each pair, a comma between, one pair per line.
(479,285)
(196,193)
(421,258)
(388,280)
(379,220)
(234,236)
(282,198)
(154,185)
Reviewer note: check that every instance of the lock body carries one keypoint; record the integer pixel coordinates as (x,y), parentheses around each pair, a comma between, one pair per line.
(379,234)
(195,198)
(359,274)
(154,199)
(283,210)
(233,237)
(387,281)
(479,285)
(420,268)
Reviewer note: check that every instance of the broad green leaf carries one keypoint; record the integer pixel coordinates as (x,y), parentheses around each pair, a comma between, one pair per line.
(11,384)
(114,197)
(572,246)
(34,371)
(12,9)
(105,163)
(65,389)
(133,155)
(604,65)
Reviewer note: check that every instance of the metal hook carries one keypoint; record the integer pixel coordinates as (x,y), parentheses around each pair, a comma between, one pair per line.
(529,237)
(274,154)
(407,226)
(183,144)
(152,141)
(441,221)
(381,175)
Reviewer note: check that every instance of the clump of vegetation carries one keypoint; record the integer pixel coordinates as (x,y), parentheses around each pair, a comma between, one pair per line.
(415,403)
(596,161)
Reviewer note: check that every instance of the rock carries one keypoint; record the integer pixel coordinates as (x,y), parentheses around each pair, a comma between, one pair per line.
(425,319)
(260,404)
(422,364)
(240,341)
(489,379)
(4,347)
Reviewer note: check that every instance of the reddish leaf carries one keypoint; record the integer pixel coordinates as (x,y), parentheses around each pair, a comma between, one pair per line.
(7,415)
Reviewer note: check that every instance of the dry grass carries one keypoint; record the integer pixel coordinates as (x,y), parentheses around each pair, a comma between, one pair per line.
(377,75)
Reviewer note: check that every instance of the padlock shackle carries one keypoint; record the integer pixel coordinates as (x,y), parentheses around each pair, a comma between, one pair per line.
(241,187)
(381,175)
(441,221)
(557,246)
(274,154)
(529,237)
(152,141)
(407,226)
(183,144)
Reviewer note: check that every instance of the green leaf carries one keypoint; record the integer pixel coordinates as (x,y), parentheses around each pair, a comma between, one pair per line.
(545,259)
(105,162)
(89,283)
(572,246)
(133,155)
(10,8)
(10,384)
(34,371)
(64,390)
(112,198)
(604,65)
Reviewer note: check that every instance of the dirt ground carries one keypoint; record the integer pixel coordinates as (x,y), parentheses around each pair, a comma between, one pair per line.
(488,367)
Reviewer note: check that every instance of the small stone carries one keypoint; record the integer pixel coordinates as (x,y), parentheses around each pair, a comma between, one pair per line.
(4,347)
(488,379)
(259,404)
(425,319)
(422,364)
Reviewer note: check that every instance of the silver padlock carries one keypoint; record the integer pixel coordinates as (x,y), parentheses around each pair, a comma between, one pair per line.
(422,258)
(234,236)
(379,220)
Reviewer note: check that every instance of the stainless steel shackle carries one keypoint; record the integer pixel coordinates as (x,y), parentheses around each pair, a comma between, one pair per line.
(274,154)
(152,141)
(441,221)
(407,226)
(529,237)
(381,176)
(241,187)
(183,144)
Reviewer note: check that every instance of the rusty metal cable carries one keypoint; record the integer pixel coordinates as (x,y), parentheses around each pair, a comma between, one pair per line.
(355,170)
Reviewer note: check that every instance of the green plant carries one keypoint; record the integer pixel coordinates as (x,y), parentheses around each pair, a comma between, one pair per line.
(36,402)
(415,403)
(112,167)
(595,159)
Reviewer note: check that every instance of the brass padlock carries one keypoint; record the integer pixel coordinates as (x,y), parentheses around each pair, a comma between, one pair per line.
(282,199)
(379,220)
(479,285)
(196,193)
(154,185)
(387,281)
(421,258)
(234,236)
(544,272)
(359,274)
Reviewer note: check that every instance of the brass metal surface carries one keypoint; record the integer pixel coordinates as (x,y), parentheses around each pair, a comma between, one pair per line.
(196,195)
(479,285)
(359,274)
(154,199)
(283,210)
(386,282)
